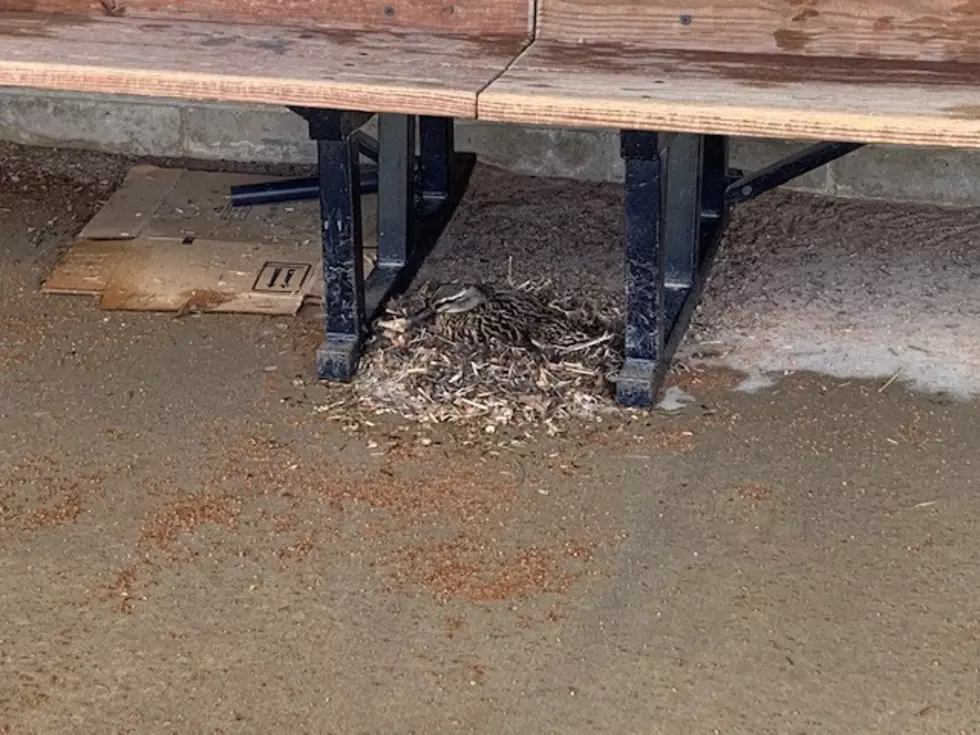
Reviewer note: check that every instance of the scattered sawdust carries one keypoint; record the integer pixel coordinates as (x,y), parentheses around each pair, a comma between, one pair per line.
(676,440)
(692,378)
(121,589)
(477,673)
(408,490)
(295,491)
(283,523)
(185,515)
(60,514)
(753,491)
(477,570)
(298,550)
(37,494)
(162,530)
(23,692)
(461,491)
(580,550)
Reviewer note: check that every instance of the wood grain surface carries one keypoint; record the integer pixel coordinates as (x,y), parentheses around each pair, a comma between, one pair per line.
(754,95)
(923,30)
(411,73)
(483,17)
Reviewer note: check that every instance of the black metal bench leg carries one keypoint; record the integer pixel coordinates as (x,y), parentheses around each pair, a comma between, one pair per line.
(645,265)
(675,215)
(417,197)
(342,250)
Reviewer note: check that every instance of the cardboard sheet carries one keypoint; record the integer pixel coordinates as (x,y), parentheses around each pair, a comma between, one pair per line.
(169,240)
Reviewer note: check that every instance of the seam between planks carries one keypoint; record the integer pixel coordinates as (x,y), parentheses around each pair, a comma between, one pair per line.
(498,75)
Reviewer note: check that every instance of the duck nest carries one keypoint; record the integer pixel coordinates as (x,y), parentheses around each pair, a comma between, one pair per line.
(418,374)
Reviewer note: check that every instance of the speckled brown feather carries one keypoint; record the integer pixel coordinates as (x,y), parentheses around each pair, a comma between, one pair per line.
(511,317)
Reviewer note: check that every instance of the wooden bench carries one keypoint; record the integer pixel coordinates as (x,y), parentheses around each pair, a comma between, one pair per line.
(850,72)
(675,77)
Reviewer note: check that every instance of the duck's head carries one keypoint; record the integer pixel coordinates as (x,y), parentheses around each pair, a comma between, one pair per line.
(452,298)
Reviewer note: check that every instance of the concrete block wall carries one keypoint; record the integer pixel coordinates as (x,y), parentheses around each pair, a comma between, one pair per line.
(142,126)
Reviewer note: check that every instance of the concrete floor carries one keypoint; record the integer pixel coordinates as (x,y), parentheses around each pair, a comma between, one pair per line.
(187,546)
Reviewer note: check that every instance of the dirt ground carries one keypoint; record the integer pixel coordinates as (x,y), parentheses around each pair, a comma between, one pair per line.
(187,545)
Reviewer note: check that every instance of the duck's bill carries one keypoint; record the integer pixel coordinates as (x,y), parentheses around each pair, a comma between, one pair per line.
(421,316)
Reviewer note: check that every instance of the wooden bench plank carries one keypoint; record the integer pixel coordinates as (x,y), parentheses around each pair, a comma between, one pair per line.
(410,73)
(629,86)
(923,30)
(478,17)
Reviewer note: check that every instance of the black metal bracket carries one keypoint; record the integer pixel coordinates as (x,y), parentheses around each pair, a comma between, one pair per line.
(416,200)
(743,188)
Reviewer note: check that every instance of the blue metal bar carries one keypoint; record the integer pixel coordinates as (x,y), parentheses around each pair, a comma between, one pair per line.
(295,190)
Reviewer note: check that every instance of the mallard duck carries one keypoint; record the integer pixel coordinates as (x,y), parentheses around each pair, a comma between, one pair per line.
(474,314)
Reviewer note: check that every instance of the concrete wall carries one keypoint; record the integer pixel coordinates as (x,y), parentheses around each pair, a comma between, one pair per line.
(271,134)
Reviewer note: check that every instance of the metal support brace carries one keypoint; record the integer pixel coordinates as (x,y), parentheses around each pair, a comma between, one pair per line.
(437,149)
(397,210)
(786,169)
(715,173)
(682,209)
(675,213)
(297,190)
(396,186)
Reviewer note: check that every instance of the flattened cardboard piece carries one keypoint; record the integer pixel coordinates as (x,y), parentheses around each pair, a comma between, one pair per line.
(200,206)
(209,253)
(214,276)
(204,275)
(85,269)
(132,205)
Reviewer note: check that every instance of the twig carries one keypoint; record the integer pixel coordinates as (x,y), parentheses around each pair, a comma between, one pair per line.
(891,380)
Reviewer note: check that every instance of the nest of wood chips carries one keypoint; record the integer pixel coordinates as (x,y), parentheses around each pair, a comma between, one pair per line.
(417,374)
